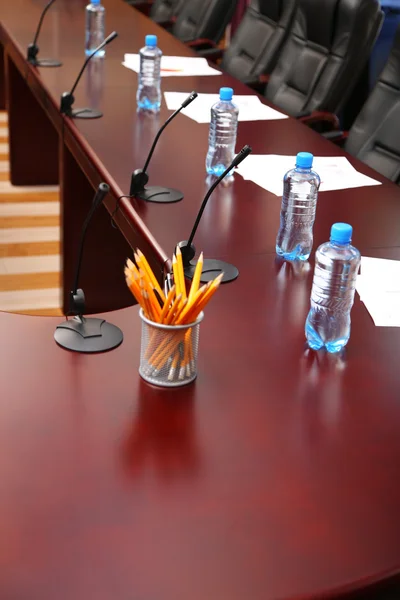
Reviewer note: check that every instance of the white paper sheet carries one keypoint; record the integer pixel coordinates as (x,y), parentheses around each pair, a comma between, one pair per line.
(175,66)
(250,107)
(379,287)
(268,170)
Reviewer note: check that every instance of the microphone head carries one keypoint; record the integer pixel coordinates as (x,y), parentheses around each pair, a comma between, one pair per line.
(189,99)
(104,188)
(245,151)
(101,193)
(110,38)
(188,252)
(67,100)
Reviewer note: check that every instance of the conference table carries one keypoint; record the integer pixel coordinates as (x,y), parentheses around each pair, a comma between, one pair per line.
(274,475)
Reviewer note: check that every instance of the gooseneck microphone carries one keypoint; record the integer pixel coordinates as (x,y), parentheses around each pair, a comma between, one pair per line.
(67,98)
(140,178)
(33,49)
(82,334)
(211,267)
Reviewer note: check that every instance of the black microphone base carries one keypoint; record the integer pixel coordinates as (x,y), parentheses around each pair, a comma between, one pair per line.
(159,194)
(46,62)
(84,113)
(211,269)
(88,335)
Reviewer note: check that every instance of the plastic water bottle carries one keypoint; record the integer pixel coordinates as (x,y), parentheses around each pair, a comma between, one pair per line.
(299,203)
(336,268)
(149,89)
(95,18)
(223,131)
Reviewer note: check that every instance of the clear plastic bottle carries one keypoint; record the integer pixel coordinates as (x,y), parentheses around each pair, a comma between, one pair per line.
(299,204)
(149,88)
(223,132)
(337,264)
(95,27)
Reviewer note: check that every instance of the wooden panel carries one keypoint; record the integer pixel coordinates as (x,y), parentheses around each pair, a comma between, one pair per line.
(31,134)
(102,274)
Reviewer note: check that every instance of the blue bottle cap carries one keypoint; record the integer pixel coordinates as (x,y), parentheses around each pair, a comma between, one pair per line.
(151,40)
(304,160)
(341,233)
(226,94)
(95,1)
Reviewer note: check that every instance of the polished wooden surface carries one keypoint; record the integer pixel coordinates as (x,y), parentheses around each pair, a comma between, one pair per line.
(275,476)
(246,216)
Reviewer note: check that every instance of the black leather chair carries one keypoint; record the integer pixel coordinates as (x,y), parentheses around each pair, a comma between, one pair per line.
(375,135)
(255,47)
(328,44)
(203,19)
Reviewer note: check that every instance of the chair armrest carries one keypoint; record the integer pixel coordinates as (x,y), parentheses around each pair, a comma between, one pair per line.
(142,5)
(337,137)
(207,49)
(212,54)
(167,24)
(258,84)
(202,44)
(320,120)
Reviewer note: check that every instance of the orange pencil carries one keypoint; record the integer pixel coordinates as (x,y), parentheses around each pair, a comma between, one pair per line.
(156,310)
(179,312)
(177,279)
(167,303)
(196,279)
(207,296)
(180,271)
(169,316)
(174,366)
(146,267)
(189,307)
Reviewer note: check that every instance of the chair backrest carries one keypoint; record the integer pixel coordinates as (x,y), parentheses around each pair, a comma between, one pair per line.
(165,10)
(203,19)
(375,134)
(255,47)
(328,45)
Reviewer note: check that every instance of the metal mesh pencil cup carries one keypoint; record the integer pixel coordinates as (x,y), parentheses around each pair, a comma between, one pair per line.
(168,353)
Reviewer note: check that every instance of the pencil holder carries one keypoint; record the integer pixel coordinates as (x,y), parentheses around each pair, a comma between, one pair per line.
(168,353)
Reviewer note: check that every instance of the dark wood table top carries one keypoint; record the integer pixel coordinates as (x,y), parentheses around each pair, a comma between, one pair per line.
(275,475)
(240,219)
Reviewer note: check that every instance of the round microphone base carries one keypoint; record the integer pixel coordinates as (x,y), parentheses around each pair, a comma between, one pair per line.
(85,113)
(88,335)
(155,193)
(47,62)
(211,269)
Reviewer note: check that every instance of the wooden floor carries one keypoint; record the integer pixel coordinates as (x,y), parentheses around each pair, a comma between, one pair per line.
(29,243)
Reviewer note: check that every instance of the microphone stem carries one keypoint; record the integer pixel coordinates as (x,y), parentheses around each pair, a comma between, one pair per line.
(41,21)
(204,203)
(158,137)
(83,68)
(106,41)
(81,246)
(102,191)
